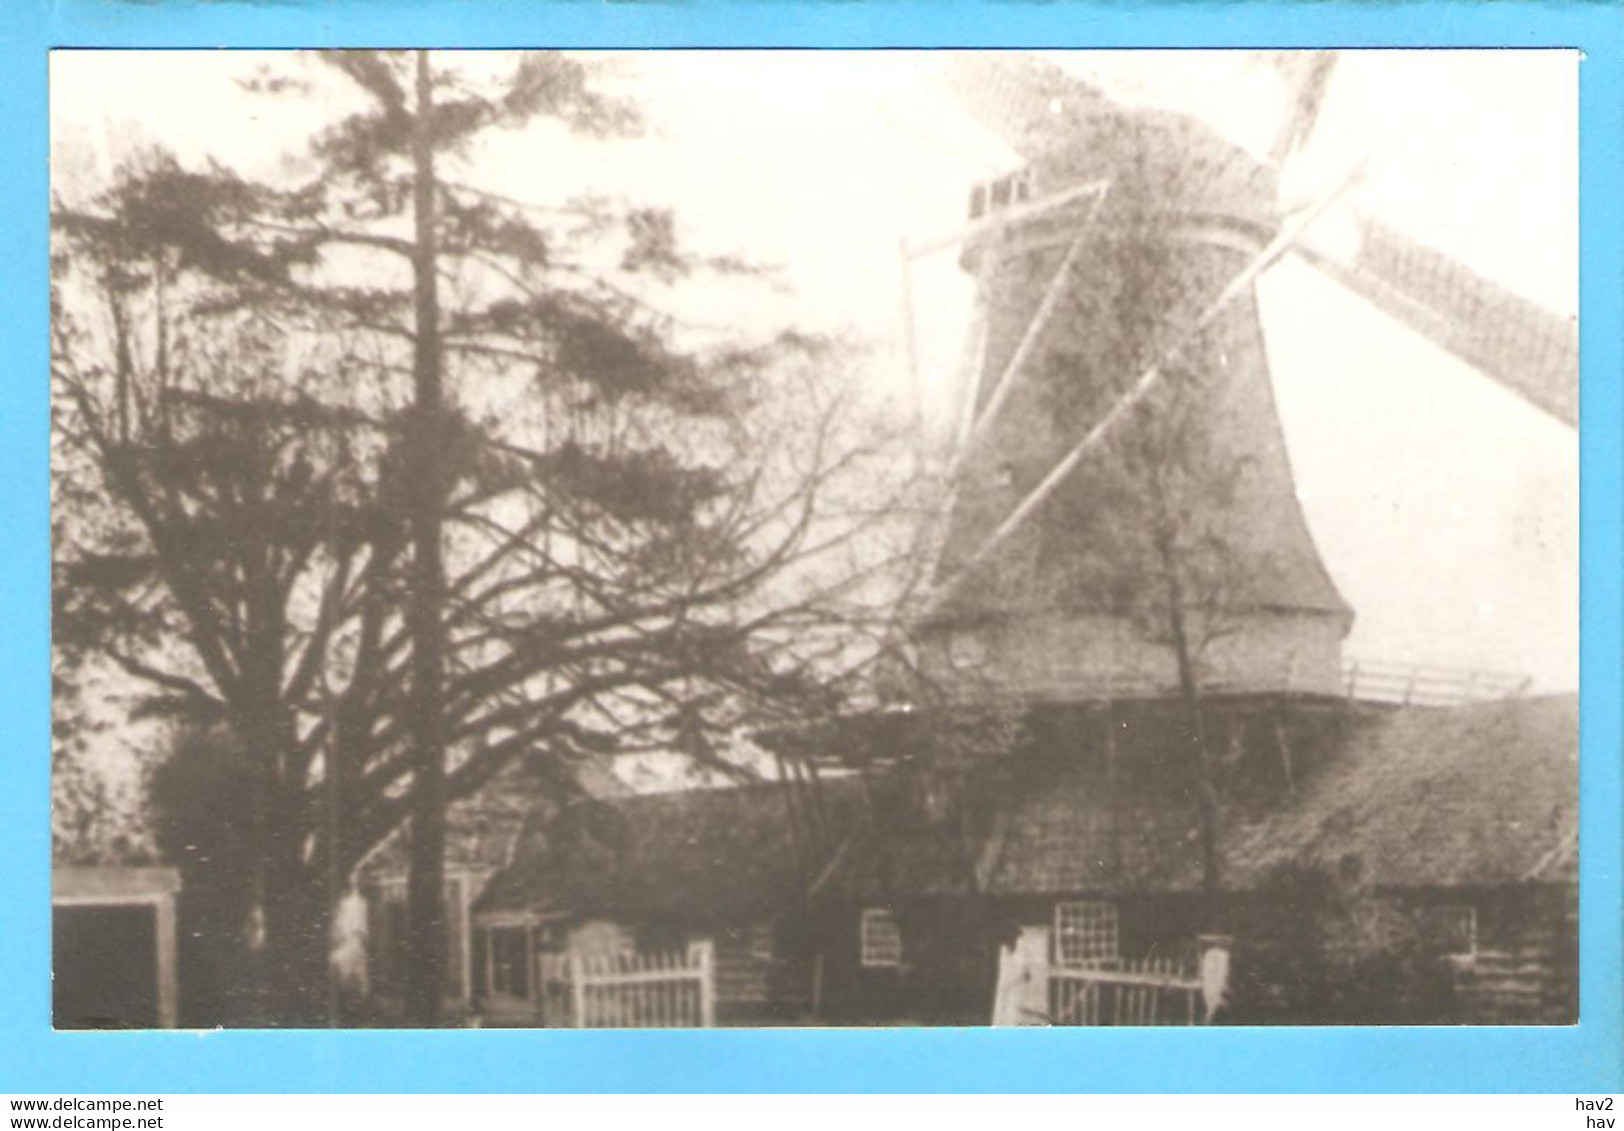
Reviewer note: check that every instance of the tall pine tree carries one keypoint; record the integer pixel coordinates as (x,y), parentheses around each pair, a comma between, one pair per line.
(405,479)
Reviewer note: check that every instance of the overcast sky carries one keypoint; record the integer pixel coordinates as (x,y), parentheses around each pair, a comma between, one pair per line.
(1445,508)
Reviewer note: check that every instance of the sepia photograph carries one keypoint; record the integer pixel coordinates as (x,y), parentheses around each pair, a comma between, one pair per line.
(814,538)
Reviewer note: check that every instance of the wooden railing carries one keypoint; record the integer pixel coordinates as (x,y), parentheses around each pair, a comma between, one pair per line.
(1426,685)
(1154,991)
(632,989)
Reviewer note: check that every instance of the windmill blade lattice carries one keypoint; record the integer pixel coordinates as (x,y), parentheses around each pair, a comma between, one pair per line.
(1530,350)
(1507,338)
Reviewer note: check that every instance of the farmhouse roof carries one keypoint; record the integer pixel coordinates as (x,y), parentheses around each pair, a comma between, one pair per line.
(693,854)
(1472,796)
(483,830)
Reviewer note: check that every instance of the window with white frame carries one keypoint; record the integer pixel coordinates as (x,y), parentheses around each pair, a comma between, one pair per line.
(880,939)
(1085,933)
(1457,929)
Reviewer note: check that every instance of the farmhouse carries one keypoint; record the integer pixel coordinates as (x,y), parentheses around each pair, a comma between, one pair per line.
(1379,864)
(482,833)
(700,892)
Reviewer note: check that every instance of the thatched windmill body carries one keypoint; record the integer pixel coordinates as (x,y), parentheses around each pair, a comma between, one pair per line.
(1121,499)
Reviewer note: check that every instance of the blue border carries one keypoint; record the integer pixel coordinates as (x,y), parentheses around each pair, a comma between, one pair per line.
(1589,1057)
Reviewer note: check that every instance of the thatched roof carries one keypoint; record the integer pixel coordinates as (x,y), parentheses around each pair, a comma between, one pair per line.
(728,854)
(482,831)
(1436,797)
(1470,796)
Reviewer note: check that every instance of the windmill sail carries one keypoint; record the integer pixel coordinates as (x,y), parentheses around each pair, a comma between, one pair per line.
(1530,350)
(1522,345)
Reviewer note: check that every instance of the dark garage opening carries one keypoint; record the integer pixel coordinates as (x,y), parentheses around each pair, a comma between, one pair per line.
(104,964)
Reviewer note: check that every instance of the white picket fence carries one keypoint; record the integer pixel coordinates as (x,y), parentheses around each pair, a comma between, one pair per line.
(1154,991)
(631,989)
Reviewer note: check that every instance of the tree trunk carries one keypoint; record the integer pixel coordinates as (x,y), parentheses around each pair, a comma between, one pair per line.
(425,889)
(1206,788)
(1196,726)
(298,922)
(295,914)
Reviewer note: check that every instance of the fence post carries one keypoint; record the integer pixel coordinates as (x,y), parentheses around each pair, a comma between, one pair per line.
(1215,951)
(704,953)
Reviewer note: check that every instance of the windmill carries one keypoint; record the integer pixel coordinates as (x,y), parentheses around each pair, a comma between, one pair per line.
(1119,342)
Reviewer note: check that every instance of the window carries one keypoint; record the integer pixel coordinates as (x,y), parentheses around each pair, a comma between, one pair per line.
(881,939)
(510,961)
(1457,930)
(1085,934)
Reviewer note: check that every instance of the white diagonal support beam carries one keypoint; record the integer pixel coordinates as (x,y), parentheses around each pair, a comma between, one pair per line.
(1029,340)
(1288,236)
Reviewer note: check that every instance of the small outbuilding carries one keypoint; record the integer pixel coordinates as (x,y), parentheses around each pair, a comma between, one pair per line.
(679,908)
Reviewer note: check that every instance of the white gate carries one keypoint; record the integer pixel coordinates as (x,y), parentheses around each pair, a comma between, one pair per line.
(632,989)
(1156,991)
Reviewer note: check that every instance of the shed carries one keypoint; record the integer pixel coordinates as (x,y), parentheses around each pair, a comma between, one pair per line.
(482,832)
(113,947)
(723,868)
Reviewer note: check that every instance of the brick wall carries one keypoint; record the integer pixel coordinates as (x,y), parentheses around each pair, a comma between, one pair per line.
(1065,597)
